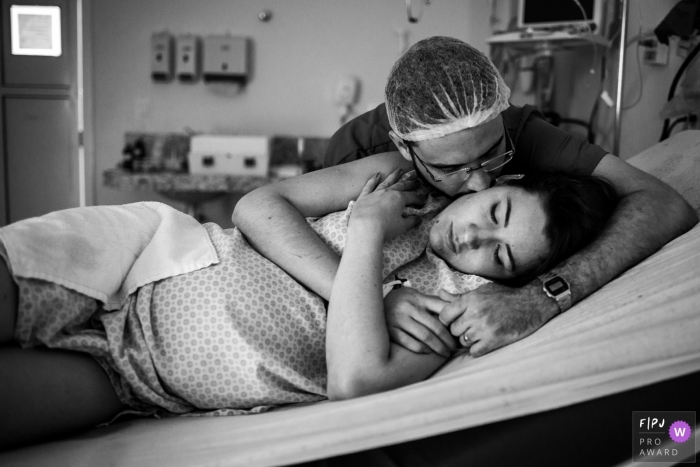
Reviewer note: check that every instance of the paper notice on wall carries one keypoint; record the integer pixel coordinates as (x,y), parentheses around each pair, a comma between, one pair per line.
(35,30)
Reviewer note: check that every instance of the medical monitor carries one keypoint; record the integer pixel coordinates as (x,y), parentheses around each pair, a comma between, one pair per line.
(560,14)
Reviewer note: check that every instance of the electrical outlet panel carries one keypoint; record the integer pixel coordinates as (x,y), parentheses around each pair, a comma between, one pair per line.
(161,56)
(225,58)
(655,53)
(187,58)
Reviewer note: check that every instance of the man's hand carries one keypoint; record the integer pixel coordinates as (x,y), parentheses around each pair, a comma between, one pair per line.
(493,315)
(412,322)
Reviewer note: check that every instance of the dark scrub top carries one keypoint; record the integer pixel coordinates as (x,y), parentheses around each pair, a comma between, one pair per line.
(539,145)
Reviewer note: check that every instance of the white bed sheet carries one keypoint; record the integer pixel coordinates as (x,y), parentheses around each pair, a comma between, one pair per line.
(639,329)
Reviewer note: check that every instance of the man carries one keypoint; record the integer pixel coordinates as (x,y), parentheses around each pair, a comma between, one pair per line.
(447,114)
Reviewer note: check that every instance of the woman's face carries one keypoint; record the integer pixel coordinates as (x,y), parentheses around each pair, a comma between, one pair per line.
(496,233)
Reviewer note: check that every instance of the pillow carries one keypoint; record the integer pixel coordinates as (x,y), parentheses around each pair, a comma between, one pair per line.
(675,161)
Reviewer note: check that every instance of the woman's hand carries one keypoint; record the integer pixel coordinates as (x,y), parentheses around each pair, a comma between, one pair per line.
(380,205)
(413,322)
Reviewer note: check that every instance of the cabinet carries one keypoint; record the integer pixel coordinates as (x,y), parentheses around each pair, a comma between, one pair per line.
(39,169)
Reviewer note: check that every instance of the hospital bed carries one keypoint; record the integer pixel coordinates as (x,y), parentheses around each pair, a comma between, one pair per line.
(563,395)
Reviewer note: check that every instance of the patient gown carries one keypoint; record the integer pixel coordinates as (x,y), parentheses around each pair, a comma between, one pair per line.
(190,325)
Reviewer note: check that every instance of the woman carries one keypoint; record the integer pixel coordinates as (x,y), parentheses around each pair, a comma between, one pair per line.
(240,335)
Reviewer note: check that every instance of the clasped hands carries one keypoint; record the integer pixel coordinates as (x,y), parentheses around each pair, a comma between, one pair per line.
(482,320)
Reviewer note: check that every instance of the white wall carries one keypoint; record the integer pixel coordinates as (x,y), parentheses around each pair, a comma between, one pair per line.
(297,59)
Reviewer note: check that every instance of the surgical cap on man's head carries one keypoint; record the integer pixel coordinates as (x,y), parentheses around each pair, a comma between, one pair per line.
(442,85)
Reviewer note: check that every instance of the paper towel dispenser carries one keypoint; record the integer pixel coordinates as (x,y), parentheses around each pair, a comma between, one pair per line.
(225,59)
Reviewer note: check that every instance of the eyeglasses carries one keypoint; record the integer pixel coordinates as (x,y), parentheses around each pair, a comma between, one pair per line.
(463,174)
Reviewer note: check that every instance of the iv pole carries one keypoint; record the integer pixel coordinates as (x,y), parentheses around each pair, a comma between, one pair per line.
(620,78)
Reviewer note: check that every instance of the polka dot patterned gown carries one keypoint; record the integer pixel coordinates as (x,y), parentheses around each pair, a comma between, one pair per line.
(236,337)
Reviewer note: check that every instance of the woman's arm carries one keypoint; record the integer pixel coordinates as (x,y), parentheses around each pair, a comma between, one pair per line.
(360,357)
(273,217)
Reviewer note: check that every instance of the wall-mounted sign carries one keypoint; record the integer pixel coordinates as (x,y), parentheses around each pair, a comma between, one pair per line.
(35,30)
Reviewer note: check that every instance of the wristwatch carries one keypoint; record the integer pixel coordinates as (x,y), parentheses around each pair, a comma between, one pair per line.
(557,288)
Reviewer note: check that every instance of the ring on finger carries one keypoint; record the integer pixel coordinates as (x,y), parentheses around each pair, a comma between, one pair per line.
(466,339)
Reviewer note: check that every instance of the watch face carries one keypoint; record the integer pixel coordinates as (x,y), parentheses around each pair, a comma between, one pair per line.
(556,286)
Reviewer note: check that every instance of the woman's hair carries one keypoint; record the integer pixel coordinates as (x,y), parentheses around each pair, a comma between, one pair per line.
(576,207)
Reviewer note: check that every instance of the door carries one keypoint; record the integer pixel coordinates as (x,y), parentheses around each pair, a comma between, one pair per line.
(38,109)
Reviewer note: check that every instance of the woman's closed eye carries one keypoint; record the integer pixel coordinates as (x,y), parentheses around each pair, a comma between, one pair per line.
(497,256)
(497,249)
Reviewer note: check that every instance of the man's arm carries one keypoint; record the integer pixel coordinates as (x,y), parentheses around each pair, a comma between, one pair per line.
(649,215)
(272,218)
